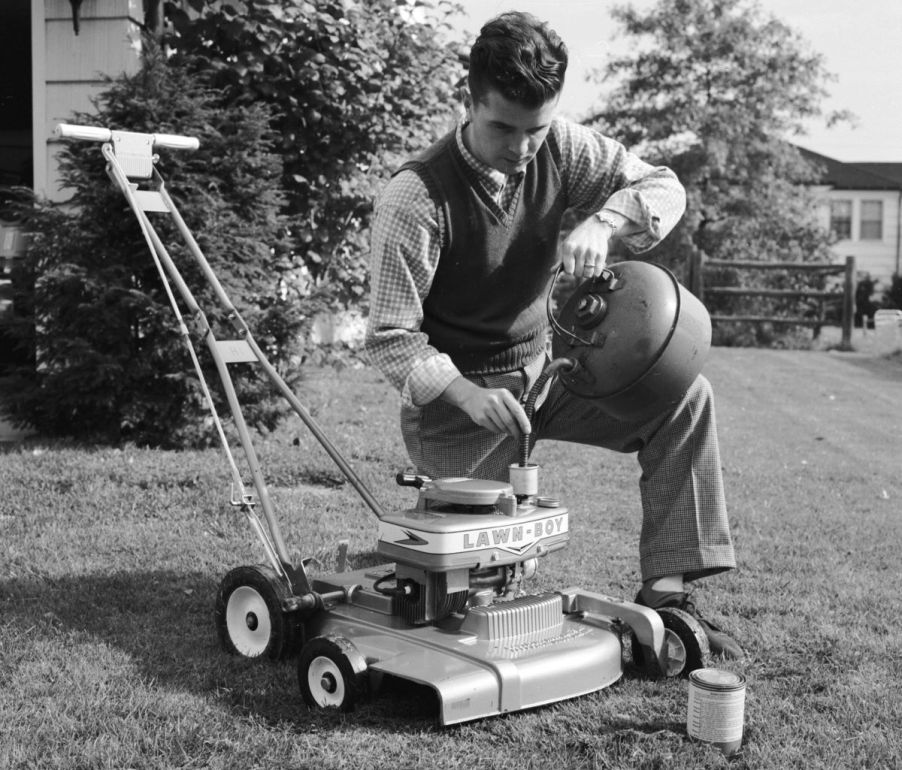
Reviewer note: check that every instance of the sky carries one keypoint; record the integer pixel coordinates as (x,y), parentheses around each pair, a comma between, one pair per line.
(861,43)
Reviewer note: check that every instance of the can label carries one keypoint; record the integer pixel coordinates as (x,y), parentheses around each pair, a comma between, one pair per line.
(716,708)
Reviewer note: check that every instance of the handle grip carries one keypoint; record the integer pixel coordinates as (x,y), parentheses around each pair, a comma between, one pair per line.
(176,142)
(97,134)
(86,133)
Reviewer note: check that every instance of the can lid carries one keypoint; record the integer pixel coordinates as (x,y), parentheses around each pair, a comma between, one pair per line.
(716,677)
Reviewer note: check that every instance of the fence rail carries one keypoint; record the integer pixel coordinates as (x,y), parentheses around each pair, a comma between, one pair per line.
(845,294)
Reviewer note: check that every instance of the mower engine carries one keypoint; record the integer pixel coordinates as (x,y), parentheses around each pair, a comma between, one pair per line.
(466,543)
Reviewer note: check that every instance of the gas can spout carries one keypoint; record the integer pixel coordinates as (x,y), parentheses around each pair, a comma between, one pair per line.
(557,365)
(524,475)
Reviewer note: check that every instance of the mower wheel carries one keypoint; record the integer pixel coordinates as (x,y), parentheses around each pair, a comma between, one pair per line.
(685,644)
(331,673)
(249,615)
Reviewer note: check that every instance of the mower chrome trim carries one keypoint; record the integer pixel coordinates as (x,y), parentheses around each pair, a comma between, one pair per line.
(645,623)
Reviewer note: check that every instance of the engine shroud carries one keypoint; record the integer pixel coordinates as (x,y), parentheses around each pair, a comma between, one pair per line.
(472,524)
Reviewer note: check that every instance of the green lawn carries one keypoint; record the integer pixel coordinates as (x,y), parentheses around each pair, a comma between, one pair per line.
(111,559)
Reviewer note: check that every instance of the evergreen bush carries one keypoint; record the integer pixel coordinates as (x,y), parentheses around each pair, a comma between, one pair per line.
(99,353)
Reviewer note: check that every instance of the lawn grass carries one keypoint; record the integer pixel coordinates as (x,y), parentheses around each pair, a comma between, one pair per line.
(111,559)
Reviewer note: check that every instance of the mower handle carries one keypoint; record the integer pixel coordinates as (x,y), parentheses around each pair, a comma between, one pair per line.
(97,134)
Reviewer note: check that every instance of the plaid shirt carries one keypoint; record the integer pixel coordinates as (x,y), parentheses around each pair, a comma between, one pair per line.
(597,172)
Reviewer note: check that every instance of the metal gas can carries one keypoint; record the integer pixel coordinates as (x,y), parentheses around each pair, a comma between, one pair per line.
(639,338)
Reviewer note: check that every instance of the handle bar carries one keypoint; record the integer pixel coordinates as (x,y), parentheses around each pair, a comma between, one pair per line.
(97,134)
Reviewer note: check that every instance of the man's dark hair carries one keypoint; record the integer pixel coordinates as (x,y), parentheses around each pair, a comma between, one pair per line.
(520,57)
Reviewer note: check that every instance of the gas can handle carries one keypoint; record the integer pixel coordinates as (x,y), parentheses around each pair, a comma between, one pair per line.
(608,278)
(574,340)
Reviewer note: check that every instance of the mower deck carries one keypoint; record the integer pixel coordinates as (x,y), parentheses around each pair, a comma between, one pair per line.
(503,657)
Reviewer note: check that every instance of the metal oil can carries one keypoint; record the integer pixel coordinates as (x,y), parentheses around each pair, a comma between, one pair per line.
(716,708)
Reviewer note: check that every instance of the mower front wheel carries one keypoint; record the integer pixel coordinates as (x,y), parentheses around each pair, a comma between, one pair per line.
(249,615)
(685,645)
(331,673)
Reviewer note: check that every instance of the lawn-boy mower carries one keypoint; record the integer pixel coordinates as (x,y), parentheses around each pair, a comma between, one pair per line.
(449,608)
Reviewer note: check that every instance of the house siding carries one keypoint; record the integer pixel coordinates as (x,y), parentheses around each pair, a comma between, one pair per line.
(859,183)
(880,257)
(69,69)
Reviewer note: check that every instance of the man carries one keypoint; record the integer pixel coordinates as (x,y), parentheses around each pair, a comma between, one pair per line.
(464,243)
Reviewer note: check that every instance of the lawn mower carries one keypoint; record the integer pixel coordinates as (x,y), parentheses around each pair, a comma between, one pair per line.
(449,608)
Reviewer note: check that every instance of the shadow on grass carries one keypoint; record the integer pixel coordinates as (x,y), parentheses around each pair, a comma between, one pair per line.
(163,621)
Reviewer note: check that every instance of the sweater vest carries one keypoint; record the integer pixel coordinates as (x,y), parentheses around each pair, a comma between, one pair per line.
(486,306)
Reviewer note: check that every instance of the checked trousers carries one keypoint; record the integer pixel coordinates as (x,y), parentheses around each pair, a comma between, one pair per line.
(685,529)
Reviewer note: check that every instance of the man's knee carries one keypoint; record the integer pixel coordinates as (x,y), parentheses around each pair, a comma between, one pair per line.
(700,391)
(695,411)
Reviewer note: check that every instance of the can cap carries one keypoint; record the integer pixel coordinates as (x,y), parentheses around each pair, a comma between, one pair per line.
(716,677)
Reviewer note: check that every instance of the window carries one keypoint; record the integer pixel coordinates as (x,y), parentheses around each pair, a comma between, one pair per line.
(841,219)
(871,220)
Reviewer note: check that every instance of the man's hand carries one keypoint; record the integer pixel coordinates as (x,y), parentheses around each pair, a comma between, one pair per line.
(495,409)
(584,251)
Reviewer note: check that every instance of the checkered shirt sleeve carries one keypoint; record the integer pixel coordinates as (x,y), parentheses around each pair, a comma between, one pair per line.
(598,174)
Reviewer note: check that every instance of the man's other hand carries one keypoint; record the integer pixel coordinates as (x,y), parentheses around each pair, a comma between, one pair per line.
(495,409)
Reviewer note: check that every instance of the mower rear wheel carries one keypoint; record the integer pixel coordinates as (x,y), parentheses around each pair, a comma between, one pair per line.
(685,644)
(331,673)
(249,615)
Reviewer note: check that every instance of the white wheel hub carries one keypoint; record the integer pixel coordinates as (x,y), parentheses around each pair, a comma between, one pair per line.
(248,621)
(675,654)
(327,686)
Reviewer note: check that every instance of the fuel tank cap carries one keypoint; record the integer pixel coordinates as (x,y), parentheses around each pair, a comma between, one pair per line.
(463,491)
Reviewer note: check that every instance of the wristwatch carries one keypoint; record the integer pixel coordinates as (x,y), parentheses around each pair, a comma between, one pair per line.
(607,219)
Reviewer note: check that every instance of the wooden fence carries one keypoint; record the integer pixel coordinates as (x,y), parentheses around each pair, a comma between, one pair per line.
(845,294)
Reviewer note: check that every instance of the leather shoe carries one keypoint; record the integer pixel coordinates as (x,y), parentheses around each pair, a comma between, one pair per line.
(720,642)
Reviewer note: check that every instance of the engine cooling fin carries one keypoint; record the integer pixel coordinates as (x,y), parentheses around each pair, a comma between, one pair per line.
(522,619)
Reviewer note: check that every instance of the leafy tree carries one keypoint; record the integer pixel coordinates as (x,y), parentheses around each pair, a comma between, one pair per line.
(355,85)
(103,356)
(714,89)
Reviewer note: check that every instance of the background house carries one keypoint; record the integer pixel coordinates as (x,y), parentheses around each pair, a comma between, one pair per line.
(861,203)
(53,55)
(66,46)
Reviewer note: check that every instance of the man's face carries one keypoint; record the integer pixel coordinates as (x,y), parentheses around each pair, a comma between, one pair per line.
(505,134)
